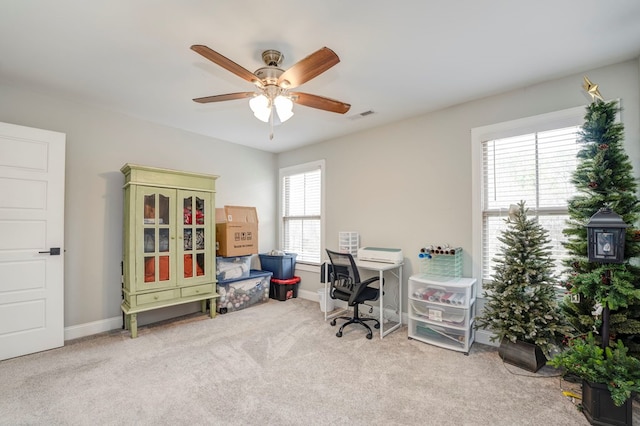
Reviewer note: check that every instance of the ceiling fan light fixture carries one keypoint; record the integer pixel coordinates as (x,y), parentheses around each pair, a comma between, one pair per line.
(284,107)
(261,107)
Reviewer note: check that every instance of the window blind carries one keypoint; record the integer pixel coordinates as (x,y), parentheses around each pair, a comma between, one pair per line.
(301,214)
(537,168)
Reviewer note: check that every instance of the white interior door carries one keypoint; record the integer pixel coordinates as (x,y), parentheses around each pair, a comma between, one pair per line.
(32,165)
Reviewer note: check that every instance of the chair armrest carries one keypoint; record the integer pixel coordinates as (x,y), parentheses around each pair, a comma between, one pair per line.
(360,287)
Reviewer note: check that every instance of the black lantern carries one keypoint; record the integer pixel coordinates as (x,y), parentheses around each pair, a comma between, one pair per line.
(606,237)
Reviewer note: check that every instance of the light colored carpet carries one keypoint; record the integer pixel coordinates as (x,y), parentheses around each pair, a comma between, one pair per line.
(278,363)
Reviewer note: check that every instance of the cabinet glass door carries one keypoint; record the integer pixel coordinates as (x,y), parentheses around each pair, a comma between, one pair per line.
(158,246)
(195,247)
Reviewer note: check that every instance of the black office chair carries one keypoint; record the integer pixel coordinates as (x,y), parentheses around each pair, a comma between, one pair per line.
(346,285)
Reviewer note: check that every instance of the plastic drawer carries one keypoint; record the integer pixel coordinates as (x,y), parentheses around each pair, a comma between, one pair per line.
(440,314)
(446,337)
(459,292)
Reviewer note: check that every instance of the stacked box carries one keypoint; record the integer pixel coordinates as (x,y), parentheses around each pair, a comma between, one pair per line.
(236,231)
(240,293)
(284,289)
(282,266)
(228,268)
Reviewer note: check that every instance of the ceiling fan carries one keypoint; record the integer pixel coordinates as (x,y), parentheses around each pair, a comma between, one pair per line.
(274,101)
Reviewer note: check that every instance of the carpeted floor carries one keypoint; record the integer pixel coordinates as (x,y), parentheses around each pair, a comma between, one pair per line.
(277,363)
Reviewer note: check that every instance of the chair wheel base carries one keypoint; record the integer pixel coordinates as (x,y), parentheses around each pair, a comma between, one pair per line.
(339,334)
(369,336)
(333,322)
(376,325)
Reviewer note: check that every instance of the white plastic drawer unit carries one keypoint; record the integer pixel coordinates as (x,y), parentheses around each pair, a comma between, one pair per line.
(442,311)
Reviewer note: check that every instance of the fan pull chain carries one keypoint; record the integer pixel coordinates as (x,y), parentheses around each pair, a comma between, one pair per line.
(271,123)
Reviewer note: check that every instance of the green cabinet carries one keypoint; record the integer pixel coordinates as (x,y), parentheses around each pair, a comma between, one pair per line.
(169,240)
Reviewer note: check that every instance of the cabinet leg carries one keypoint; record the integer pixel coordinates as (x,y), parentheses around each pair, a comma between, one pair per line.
(212,308)
(203,306)
(133,325)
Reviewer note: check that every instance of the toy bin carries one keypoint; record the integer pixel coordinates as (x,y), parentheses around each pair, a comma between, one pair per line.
(284,289)
(228,268)
(240,293)
(282,266)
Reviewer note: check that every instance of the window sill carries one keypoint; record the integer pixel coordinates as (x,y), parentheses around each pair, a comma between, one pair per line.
(308,267)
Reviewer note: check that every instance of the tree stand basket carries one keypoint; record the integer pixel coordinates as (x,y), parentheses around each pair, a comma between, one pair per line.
(521,354)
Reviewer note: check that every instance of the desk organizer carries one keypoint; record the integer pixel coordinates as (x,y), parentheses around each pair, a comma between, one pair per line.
(348,242)
(443,262)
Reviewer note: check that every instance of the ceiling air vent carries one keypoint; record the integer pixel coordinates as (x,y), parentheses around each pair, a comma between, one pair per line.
(361,115)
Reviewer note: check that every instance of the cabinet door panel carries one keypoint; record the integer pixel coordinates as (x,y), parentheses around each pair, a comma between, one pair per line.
(196,245)
(156,257)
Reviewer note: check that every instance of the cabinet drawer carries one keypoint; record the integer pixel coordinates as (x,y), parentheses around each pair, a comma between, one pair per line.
(158,296)
(440,314)
(197,290)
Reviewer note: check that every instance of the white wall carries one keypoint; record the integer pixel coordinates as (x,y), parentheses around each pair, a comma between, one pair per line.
(99,142)
(409,184)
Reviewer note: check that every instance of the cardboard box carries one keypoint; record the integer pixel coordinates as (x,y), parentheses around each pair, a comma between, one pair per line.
(236,231)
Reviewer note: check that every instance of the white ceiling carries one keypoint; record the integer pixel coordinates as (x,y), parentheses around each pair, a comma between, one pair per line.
(399,59)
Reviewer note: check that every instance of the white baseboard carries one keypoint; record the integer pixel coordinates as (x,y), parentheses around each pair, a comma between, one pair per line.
(309,295)
(90,328)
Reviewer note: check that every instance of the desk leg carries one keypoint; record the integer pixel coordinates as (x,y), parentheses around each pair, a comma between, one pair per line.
(381,299)
(400,282)
(399,324)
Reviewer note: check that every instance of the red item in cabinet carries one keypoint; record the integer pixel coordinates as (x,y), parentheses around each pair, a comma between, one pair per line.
(188,267)
(150,269)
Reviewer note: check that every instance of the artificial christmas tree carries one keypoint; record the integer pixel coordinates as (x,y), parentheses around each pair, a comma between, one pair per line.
(521,302)
(603,178)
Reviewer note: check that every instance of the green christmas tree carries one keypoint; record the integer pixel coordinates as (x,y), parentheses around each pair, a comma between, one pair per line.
(521,302)
(603,178)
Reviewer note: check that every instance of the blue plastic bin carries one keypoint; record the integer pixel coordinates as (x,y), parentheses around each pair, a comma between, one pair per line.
(283,267)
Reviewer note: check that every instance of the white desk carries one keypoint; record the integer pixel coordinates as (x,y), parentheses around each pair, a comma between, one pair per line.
(381,268)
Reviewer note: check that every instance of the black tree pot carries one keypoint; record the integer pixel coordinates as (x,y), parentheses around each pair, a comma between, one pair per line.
(522,354)
(599,409)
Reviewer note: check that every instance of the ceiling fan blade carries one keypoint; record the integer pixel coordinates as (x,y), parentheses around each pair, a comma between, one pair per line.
(308,68)
(225,63)
(319,102)
(227,97)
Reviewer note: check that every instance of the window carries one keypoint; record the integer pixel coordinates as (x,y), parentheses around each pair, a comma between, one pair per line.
(301,195)
(531,160)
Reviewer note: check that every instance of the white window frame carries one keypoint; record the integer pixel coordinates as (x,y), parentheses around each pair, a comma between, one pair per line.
(539,123)
(292,170)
